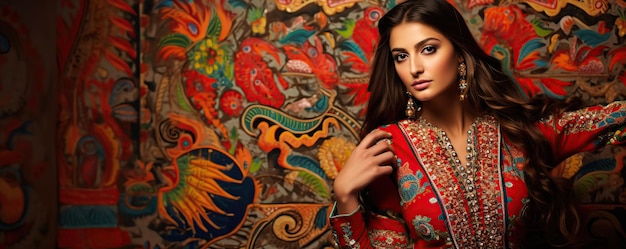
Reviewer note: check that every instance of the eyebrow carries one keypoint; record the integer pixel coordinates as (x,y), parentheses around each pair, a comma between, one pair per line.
(419,44)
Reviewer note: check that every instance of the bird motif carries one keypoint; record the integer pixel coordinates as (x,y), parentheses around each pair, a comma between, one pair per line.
(255,77)
(363,34)
(508,36)
(190,23)
(310,58)
(582,60)
(203,190)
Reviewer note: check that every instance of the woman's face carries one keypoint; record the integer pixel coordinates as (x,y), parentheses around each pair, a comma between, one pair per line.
(425,61)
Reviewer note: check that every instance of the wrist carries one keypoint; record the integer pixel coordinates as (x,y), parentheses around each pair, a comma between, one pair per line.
(344,193)
(347,201)
(346,198)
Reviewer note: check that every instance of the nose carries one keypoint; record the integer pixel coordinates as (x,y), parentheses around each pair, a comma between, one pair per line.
(416,66)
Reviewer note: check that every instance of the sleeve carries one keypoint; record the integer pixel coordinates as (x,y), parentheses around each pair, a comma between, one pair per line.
(586,129)
(362,229)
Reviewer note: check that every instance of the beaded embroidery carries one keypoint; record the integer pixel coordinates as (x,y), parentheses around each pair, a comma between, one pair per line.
(347,235)
(589,119)
(485,199)
(381,238)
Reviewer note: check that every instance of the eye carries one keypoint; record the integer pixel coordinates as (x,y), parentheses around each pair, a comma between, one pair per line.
(192,28)
(199,86)
(429,49)
(399,57)
(312,52)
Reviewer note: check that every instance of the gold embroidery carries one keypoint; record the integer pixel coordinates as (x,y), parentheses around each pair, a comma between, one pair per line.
(388,239)
(489,230)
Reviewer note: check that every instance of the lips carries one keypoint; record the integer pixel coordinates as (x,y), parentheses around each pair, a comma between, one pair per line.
(420,84)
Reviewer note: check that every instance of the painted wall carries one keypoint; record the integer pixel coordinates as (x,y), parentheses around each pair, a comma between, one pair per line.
(222,124)
(28,179)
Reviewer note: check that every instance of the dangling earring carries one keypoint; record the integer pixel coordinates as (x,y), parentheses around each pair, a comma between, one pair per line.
(410,107)
(462,81)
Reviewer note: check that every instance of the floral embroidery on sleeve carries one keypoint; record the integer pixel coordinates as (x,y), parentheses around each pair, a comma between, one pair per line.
(409,184)
(347,235)
(388,239)
(589,119)
(425,230)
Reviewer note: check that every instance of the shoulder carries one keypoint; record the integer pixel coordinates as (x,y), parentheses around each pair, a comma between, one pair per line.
(393,127)
(591,114)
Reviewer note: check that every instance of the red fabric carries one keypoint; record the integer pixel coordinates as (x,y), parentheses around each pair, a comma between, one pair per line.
(415,207)
(93,238)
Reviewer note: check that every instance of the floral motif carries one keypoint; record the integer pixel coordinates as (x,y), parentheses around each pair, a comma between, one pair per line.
(382,238)
(347,235)
(231,102)
(424,228)
(199,88)
(208,56)
(333,153)
(569,167)
(196,83)
(409,184)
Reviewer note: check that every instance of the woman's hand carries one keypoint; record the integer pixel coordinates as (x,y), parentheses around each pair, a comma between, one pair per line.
(372,158)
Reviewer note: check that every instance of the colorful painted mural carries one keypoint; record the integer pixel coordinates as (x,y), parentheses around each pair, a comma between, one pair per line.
(222,123)
(98,119)
(27,117)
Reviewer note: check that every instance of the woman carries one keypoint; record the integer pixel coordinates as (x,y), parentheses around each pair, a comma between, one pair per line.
(466,157)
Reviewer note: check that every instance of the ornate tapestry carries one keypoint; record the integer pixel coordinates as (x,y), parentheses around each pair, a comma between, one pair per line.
(222,123)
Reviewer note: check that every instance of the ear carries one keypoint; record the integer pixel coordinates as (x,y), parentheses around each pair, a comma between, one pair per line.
(461,59)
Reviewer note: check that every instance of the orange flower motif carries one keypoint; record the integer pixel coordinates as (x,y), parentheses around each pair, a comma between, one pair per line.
(569,167)
(231,102)
(333,153)
(196,82)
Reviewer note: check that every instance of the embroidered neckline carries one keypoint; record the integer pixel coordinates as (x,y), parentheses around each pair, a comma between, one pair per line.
(467,174)
(478,224)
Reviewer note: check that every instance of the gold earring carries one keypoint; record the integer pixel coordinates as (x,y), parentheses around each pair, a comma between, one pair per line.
(410,107)
(462,81)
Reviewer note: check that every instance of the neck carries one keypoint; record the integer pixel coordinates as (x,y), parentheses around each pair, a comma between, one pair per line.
(451,116)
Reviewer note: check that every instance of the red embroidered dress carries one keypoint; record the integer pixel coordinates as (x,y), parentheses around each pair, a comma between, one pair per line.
(440,203)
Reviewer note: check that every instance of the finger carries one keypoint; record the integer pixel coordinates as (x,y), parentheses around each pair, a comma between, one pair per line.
(373,137)
(384,170)
(380,148)
(385,158)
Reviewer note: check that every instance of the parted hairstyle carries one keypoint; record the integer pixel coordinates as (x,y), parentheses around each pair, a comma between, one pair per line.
(551,212)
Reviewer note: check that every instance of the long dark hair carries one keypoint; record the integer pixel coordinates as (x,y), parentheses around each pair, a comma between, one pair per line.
(490,91)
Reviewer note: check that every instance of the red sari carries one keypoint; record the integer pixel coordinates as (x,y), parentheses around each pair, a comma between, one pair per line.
(432,201)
